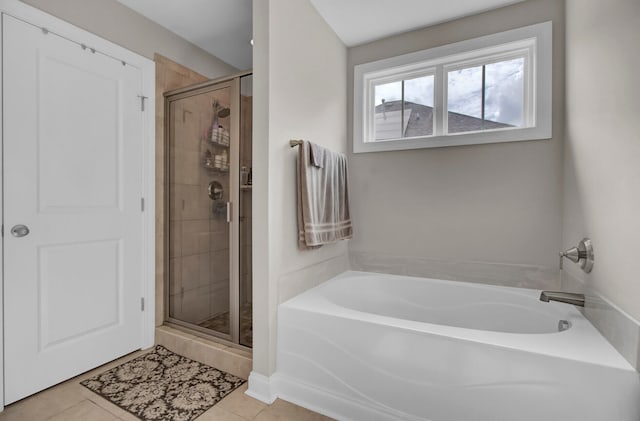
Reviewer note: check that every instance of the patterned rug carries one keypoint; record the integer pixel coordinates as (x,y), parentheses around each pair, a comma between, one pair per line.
(162,385)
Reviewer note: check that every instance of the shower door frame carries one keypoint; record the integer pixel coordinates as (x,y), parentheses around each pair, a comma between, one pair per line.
(233,83)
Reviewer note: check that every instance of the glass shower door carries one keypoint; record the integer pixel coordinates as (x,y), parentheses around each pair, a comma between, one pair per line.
(199,194)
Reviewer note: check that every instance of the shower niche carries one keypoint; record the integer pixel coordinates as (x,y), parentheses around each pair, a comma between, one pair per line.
(208,208)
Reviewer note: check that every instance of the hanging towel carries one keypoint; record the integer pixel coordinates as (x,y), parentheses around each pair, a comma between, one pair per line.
(323,198)
(317,155)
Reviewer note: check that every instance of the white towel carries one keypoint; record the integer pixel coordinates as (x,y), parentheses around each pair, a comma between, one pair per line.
(323,197)
(317,155)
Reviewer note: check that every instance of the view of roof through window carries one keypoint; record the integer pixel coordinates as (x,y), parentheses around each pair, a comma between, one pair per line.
(482,97)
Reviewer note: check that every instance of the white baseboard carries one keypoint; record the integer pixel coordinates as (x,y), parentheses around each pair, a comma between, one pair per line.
(261,388)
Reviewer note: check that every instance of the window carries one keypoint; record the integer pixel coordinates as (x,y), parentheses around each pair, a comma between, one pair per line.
(404,108)
(487,96)
(485,90)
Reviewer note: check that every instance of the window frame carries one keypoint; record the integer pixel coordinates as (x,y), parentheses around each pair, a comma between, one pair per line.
(534,43)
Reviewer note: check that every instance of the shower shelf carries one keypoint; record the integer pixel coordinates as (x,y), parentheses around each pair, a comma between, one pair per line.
(218,170)
(222,145)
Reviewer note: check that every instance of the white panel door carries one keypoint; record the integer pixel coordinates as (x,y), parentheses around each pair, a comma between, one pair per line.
(73,176)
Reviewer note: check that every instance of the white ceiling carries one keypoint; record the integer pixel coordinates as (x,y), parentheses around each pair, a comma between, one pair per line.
(220,27)
(360,21)
(224,27)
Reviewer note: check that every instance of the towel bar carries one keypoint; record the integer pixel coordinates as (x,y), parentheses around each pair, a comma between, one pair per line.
(295,142)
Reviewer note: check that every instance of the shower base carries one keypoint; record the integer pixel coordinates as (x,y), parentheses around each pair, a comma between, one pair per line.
(220,323)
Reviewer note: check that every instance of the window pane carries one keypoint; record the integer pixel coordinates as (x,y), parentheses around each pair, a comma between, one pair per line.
(388,110)
(418,106)
(464,99)
(504,94)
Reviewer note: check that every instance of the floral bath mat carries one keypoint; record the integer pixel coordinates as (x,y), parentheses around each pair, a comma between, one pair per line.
(161,385)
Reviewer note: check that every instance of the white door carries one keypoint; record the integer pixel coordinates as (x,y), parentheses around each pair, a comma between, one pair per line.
(73,177)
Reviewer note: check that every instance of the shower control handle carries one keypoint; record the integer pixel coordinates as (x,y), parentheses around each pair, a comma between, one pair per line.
(572,254)
(582,254)
(20,231)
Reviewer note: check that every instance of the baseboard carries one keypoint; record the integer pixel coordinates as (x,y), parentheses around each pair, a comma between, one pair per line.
(261,388)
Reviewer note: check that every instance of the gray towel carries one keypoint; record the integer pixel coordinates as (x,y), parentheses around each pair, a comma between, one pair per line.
(317,155)
(323,198)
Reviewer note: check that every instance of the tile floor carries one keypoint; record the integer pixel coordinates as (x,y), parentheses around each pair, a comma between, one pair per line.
(69,401)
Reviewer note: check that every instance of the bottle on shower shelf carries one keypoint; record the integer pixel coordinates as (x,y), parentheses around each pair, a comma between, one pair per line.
(244,176)
(225,160)
(208,159)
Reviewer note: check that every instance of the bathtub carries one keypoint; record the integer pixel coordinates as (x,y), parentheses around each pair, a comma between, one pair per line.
(366,346)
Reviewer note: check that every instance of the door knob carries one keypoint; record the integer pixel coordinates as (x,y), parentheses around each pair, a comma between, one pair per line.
(20,231)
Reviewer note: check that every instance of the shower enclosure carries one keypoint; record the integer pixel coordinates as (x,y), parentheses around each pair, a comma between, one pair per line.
(208,208)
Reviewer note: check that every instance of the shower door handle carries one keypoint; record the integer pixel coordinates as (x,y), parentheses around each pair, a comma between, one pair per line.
(228,212)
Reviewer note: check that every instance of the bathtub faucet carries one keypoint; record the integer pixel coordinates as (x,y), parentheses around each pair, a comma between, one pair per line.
(563,297)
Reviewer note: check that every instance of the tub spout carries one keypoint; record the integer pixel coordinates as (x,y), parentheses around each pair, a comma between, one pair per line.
(563,297)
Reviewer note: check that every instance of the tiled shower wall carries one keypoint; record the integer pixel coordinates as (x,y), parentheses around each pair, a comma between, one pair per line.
(246,105)
(245,244)
(199,238)
(169,75)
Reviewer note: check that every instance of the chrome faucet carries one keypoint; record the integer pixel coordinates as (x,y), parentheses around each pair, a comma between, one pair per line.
(563,297)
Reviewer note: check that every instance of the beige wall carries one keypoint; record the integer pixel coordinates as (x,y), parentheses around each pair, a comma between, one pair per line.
(300,92)
(121,25)
(454,207)
(602,169)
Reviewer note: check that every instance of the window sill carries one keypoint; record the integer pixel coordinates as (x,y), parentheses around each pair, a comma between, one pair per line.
(460,139)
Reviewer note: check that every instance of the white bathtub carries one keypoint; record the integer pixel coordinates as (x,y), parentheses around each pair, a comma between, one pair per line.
(366,346)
